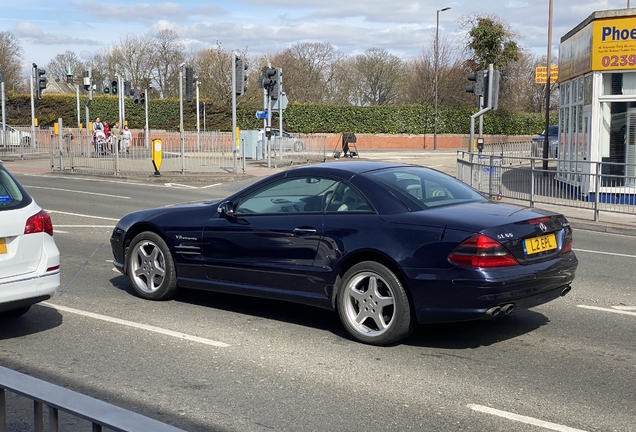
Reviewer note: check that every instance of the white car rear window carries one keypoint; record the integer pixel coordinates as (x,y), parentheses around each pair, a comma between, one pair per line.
(11,195)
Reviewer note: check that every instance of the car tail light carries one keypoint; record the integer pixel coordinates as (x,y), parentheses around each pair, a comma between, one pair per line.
(482,251)
(40,222)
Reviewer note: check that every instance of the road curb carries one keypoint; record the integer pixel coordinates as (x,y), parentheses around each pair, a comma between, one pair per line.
(600,227)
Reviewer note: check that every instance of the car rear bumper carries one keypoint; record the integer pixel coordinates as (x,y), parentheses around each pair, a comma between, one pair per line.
(471,298)
(28,290)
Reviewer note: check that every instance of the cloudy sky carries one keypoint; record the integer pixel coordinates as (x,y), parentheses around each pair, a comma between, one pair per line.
(47,28)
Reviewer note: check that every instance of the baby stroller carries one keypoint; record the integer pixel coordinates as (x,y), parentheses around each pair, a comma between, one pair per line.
(101,143)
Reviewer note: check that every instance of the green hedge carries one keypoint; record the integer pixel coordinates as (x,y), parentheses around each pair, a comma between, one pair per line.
(300,118)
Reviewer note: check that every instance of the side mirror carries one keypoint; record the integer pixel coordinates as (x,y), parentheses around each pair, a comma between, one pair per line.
(226,209)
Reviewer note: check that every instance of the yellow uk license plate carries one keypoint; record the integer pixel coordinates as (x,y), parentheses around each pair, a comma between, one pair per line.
(539,244)
(3,246)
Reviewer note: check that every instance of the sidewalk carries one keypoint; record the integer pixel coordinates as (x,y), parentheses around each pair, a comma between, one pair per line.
(442,160)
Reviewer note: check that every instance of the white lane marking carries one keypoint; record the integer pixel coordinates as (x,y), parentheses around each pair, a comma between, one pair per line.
(182,186)
(625,308)
(605,253)
(82,215)
(618,311)
(139,326)
(523,419)
(79,192)
(84,226)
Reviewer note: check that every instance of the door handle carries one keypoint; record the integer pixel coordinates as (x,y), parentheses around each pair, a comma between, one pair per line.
(304,231)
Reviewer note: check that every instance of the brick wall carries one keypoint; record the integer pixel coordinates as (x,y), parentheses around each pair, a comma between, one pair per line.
(424,142)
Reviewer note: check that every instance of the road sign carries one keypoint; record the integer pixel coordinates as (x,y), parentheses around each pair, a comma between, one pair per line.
(541,74)
(261,114)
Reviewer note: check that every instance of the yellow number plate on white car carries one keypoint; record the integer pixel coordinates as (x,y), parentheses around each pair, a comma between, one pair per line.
(539,244)
(3,246)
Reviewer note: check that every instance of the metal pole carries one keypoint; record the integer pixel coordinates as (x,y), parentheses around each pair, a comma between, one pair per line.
(4,114)
(146,131)
(88,103)
(119,120)
(234,137)
(181,137)
(79,118)
(546,141)
(436,71)
(280,114)
(198,121)
(60,135)
(33,72)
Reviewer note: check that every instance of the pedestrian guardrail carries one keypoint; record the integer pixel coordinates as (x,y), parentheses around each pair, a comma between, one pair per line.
(100,414)
(597,186)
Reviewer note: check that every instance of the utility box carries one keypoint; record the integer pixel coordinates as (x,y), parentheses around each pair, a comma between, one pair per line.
(249,144)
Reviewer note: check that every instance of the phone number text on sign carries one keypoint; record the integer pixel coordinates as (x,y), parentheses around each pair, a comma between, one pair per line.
(618,60)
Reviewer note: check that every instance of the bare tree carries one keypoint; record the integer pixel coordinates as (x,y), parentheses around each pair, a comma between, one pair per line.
(378,74)
(308,70)
(134,60)
(168,56)
(65,64)
(11,55)
(213,68)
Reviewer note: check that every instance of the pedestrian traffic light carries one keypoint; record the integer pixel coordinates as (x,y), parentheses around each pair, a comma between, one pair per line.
(142,98)
(240,68)
(189,83)
(113,87)
(86,80)
(41,82)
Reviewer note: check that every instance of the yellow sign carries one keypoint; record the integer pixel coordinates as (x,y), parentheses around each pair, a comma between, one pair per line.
(541,75)
(157,152)
(614,44)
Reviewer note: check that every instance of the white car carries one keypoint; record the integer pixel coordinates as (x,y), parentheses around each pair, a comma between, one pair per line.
(29,257)
(14,137)
(289,142)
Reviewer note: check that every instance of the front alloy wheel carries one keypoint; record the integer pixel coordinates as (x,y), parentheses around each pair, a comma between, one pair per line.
(373,305)
(151,268)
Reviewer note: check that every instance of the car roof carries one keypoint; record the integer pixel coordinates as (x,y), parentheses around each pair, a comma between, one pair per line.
(346,168)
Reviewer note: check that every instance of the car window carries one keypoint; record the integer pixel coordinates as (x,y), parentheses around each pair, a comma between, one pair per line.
(347,199)
(11,194)
(289,195)
(419,188)
(553,130)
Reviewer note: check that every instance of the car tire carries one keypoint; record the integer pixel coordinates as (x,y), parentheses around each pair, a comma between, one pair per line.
(373,305)
(150,267)
(15,313)
(299,146)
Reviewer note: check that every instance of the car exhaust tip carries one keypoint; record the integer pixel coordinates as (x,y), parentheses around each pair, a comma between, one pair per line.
(494,311)
(565,291)
(506,309)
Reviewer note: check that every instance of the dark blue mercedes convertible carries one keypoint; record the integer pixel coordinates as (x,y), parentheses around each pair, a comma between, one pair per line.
(385,245)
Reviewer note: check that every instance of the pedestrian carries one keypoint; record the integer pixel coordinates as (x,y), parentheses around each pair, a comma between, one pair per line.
(126,138)
(97,125)
(116,130)
(106,129)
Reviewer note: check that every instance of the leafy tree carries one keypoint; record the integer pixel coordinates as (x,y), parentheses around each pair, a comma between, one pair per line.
(379,74)
(490,41)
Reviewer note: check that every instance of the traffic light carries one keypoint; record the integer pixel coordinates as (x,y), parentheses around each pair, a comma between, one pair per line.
(142,98)
(41,82)
(86,80)
(240,68)
(478,87)
(275,87)
(106,89)
(189,83)
(268,80)
(495,90)
(113,87)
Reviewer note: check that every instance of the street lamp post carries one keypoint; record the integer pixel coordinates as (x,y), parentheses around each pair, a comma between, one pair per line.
(436,62)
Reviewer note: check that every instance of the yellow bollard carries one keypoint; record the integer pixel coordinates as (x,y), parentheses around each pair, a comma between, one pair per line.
(157,151)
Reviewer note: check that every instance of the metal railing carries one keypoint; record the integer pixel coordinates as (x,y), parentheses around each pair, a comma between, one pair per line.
(100,414)
(596,186)
(203,152)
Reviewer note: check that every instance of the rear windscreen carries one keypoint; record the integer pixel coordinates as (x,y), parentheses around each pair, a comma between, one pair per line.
(11,194)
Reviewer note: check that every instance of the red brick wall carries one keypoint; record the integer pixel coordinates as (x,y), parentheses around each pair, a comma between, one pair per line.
(424,142)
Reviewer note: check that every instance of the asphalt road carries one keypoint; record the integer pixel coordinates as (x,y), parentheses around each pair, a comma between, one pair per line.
(212,362)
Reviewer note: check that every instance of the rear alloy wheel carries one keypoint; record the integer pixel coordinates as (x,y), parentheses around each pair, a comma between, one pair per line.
(373,305)
(151,267)
(299,146)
